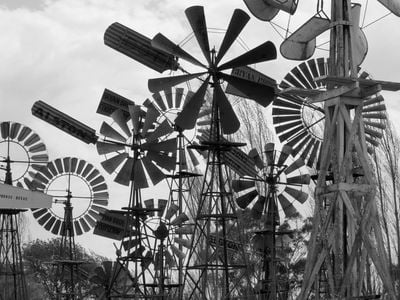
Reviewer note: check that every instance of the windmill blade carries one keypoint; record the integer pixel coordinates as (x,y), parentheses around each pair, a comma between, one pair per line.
(167,146)
(149,204)
(163,129)
(179,219)
(111,133)
(124,175)
(285,152)
(228,119)
(187,118)
(269,149)
(169,259)
(238,22)
(253,153)
(151,116)
(296,194)
(359,47)
(298,163)
(185,230)
(162,203)
(197,20)
(134,112)
(261,53)
(161,42)
(155,174)
(130,243)
(119,117)
(300,179)
(163,160)
(180,254)
(105,148)
(261,93)
(162,83)
(266,10)
(111,164)
(258,207)
(173,209)
(239,185)
(287,207)
(138,176)
(244,200)
(392,5)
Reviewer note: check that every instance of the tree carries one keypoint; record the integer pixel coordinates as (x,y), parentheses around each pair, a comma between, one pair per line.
(38,256)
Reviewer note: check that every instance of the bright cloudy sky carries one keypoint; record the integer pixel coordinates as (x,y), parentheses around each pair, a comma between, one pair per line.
(53,50)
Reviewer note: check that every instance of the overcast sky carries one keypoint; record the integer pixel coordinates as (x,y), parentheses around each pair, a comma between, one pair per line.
(53,50)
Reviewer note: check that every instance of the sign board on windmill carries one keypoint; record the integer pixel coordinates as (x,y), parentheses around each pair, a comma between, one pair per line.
(111,225)
(19,198)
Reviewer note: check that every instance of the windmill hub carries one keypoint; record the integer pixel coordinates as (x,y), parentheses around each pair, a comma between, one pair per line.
(161,232)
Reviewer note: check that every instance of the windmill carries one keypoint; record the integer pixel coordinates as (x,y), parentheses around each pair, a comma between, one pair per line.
(80,195)
(279,182)
(21,151)
(345,223)
(300,122)
(216,211)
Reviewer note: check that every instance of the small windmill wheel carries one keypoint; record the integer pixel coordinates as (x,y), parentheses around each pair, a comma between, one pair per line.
(279,180)
(213,74)
(73,183)
(21,152)
(134,140)
(161,226)
(300,124)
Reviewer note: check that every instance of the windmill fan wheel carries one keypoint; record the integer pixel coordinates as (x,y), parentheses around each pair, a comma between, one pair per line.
(163,224)
(213,70)
(21,151)
(134,148)
(301,124)
(71,182)
(280,180)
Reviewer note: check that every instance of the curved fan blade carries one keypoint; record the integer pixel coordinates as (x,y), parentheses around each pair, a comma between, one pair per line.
(161,42)
(184,230)
(392,5)
(258,207)
(138,176)
(186,119)
(195,16)
(244,200)
(163,160)
(261,93)
(110,165)
(151,116)
(105,148)
(228,119)
(163,129)
(124,175)
(179,219)
(162,83)
(168,146)
(298,163)
(296,194)
(171,211)
(162,203)
(285,152)
(119,117)
(253,153)
(149,204)
(155,174)
(269,149)
(263,52)
(301,179)
(134,112)
(239,185)
(287,207)
(238,22)
(183,242)
(178,252)
(110,132)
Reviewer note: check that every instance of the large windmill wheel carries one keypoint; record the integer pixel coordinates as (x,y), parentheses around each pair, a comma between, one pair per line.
(301,124)
(279,180)
(21,151)
(162,223)
(71,182)
(133,149)
(213,74)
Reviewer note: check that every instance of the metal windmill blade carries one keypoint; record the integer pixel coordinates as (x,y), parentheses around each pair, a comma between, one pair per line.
(72,182)
(266,10)
(279,181)
(300,124)
(21,152)
(213,74)
(134,148)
